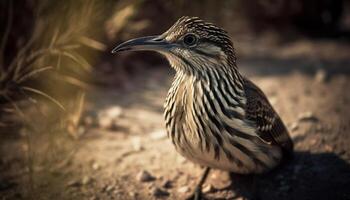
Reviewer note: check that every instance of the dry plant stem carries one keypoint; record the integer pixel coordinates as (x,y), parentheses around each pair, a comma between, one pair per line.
(6,34)
(44,95)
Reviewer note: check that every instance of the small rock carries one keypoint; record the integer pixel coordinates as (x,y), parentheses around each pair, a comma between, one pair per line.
(183,189)
(144,176)
(104,122)
(136,144)
(313,141)
(106,118)
(112,112)
(73,183)
(117,191)
(167,184)
(307,116)
(208,188)
(88,121)
(95,166)
(321,76)
(93,198)
(294,126)
(133,194)
(86,180)
(109,188)
(81,131)
(273,100)
(158,134)
(181,159)
(158,192)
(328,148)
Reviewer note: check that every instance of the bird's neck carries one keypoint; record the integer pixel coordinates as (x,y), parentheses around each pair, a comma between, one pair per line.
(192,95)
(194,86)
(212,78)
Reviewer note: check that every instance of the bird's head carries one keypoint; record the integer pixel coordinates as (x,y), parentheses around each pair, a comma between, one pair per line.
(191,45)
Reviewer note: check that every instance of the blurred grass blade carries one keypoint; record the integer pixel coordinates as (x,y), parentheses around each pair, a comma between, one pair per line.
(80,103)
(71,46)
(74,81)
(14,105)
(21,53)
(6,34)
(58,65)
(92,43)
(44,95)
(33,73)
(79,60)
(54,38)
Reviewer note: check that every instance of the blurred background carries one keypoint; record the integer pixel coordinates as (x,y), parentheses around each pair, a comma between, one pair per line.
(79,123)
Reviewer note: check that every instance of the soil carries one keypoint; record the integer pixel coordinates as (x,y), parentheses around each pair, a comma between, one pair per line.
(123,152)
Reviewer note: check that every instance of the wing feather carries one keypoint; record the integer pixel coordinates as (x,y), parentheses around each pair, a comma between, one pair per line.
(269,125)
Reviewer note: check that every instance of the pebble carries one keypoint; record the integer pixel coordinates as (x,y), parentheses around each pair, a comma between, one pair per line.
(208,188)
(136,144)
(144,176)
(95,166)
(158,134)
(294,126)
(109,188)
(181,159)
(104,122)
(112,112)
(167,184)
(133,194)
(273,100)
(321,76)
(307,116)
(107,117)
(88,121)
(158,192)
(183,189)
(73,183)
(93,198)
(86,180)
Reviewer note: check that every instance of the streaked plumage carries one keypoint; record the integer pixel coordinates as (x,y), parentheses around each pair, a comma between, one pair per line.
(214,116)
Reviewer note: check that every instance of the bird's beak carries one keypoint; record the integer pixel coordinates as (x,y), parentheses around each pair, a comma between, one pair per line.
(150,43)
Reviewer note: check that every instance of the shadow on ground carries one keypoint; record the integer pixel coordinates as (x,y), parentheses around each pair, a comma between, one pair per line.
(307,176)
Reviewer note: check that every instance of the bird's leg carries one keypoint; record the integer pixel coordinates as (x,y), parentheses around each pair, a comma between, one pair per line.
(197,195)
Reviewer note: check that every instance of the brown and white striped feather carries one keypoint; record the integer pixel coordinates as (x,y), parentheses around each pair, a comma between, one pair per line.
(269,125)
(209,133)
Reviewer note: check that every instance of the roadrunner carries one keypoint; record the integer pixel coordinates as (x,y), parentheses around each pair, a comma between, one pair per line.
(214,116)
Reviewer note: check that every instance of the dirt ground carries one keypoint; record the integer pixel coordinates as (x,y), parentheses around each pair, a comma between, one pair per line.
(123,151)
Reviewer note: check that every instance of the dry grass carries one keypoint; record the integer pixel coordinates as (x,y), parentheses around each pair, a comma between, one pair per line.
(42,89)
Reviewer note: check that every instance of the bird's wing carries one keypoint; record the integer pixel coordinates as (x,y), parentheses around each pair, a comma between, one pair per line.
(269,125)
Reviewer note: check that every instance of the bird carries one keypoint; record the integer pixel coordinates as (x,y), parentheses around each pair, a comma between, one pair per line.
(215,116)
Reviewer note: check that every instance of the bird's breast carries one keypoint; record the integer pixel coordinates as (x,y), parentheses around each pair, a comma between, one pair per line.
(197,126)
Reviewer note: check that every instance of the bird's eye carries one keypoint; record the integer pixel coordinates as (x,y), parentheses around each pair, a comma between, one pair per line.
(190,40)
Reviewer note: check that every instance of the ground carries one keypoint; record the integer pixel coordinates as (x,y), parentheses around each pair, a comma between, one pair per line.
(123,152)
